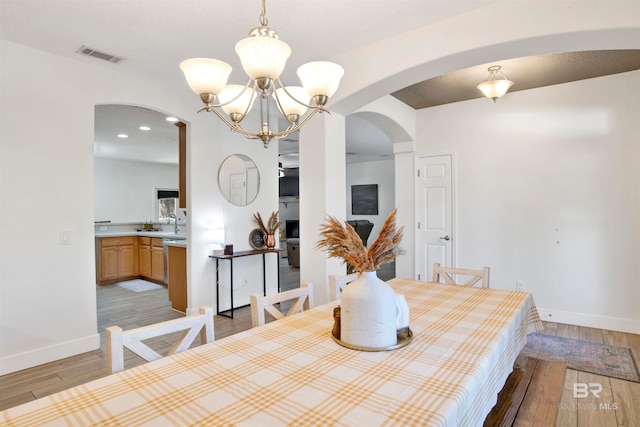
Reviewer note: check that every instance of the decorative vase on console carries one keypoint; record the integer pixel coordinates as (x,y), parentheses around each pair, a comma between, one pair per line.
(270,241)
(269,229)
(368,307)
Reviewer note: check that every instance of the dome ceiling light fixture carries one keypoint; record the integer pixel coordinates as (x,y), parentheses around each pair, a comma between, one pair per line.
(263,57)
(493,87)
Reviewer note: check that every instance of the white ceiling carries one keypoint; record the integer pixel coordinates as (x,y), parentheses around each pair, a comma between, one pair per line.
(154,36)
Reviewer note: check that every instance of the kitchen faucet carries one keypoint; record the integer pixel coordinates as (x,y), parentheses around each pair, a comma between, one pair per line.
(175,218)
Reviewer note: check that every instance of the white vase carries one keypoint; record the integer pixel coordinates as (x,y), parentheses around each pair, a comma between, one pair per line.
(368,313)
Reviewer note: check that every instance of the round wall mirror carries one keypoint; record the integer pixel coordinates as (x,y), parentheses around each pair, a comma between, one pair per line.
(239,179)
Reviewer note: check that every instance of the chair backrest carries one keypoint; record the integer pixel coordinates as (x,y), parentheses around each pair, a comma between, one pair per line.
(337,284)
(446,273)
(191,326)
(301,299)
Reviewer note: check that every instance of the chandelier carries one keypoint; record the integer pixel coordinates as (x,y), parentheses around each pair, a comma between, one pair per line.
(492,87)
(263,57)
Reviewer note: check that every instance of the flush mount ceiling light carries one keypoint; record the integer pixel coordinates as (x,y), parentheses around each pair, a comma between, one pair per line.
(263,58)
(492,87)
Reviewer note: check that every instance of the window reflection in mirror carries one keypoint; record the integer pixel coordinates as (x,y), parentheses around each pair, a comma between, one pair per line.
(239,179)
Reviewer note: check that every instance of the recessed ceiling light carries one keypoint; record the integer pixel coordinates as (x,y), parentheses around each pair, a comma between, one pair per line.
(145,128)
(171,119)
(123,135)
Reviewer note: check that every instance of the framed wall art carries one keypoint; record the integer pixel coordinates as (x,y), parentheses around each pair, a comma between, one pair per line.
(364,199)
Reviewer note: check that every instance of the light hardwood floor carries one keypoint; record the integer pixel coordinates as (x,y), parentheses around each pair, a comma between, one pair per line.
(619,402)
(117,306)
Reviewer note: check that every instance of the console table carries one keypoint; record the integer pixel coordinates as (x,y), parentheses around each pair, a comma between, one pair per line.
(240,254)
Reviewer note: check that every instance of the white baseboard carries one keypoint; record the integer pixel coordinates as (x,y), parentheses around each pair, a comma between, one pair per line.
(28,359)
(590,320)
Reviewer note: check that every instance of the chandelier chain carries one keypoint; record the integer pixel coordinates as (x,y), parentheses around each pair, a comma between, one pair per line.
(263,16)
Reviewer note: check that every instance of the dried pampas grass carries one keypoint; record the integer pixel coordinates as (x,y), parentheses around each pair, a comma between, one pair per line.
(342,241)
(272,225)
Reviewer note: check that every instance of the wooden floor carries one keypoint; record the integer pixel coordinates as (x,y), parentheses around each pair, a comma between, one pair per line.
(117,306)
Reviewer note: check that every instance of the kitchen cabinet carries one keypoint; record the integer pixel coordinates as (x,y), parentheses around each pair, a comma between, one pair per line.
(151,258)
(144,252)
(157,259)
(177,275)
(182,165)
(116,258)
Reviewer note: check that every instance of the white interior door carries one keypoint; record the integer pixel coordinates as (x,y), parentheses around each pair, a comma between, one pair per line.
(238,183)
(435,214)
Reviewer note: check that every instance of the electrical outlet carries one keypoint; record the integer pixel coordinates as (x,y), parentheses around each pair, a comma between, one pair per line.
(519,285)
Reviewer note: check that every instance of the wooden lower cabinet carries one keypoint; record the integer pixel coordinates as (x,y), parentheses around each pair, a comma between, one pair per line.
(128,257)
(177,274)
(145,260)
(116,258)
(157,263)
(151,264)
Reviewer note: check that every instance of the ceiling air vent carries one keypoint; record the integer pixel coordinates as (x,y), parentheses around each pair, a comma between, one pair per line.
(100,55)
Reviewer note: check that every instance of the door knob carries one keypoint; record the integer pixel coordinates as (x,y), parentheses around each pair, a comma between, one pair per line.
(445,238)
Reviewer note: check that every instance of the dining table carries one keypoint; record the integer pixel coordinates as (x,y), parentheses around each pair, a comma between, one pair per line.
(291,372)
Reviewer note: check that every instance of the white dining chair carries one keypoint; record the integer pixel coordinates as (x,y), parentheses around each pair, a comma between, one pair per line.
(447,275)
(337,284)
(301,299)
(191,326)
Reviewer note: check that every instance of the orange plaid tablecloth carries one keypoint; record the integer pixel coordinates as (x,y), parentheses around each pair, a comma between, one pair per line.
(291,372)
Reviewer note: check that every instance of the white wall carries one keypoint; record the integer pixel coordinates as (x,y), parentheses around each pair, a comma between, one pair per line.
(125,191)
(548,192)
(381,173)
(47,290)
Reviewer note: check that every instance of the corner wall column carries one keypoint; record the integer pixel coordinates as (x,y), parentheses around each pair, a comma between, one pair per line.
(322,193)
(405,166)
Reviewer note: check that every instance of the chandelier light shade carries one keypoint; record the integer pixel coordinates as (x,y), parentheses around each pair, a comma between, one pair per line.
(206,75)
(236,101)
(263,56)
(286,101)
(493,87)
(320,78)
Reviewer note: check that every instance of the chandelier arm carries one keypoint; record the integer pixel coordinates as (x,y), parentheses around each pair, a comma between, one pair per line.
(233,126)
(250,103)
(293,97)
(222,104)
(221,116)
(295,128)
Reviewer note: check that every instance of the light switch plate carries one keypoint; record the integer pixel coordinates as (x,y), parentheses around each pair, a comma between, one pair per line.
(65,237)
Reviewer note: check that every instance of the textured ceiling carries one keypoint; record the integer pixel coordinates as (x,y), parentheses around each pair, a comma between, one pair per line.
(526,73)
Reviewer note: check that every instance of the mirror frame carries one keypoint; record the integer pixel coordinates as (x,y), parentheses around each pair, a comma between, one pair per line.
(224,183)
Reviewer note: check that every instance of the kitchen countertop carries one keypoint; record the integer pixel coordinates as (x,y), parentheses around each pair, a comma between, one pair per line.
(177,243)
(179,236)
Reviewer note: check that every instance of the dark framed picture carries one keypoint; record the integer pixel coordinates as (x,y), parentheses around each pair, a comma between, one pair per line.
(364,199)
(256,238)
